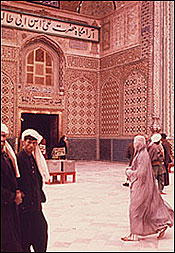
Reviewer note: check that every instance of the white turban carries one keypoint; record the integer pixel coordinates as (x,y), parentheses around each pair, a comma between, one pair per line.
(155,138)
(40,160)
(4,128)
(9,150)
(32,133)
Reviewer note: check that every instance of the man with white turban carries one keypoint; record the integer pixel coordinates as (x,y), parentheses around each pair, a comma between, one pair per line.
(33,170)
(156,153)
(10,197)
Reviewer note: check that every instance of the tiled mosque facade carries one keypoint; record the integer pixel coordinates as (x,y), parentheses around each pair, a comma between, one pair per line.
(100,92)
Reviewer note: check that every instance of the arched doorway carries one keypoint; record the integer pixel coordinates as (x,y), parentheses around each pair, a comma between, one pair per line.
(46,124)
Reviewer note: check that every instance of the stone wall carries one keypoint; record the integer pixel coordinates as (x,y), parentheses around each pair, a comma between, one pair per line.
(105,93)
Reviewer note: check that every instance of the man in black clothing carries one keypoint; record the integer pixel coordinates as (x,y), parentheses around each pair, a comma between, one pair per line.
(33,223)
(129,155)
(10,197)
(167,157)
(63,143)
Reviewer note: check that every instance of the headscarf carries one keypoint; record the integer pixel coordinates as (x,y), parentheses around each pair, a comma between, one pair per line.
(141,144)
(40,160)
(9,150)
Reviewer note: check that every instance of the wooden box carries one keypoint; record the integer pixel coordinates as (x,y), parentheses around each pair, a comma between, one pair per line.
(60,165)
(53,166)
(68,165)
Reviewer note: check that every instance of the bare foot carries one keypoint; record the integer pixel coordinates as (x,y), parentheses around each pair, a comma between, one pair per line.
(130,237)
(162,232)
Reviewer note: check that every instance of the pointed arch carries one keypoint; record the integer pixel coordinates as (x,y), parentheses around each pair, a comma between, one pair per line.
(110,107)
(135,104)
(48,45)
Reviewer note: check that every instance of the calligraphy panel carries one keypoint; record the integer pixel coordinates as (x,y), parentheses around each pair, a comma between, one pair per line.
(80,45)
(119,22)
(126,27)
(49,25)
(38,100)
(133,25)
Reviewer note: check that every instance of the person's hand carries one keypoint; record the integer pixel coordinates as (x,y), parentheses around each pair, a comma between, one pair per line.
(19,195)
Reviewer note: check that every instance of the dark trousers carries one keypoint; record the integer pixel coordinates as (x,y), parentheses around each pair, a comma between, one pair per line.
(34,231)
(159,175)
(166,175)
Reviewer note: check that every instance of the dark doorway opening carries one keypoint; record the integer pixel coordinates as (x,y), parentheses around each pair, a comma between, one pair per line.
(45,124)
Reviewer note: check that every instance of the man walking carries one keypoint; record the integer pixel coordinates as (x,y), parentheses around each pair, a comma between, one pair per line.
(33,170)
(156,153)
(10,197)
(167,153)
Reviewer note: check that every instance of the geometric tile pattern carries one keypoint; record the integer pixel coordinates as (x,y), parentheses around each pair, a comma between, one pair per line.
(97,9)
(147,32)
(110,108)
(145,28)
(120,58)
(106,35)
(7,103)
(135,104)
(121,3)
(81,109)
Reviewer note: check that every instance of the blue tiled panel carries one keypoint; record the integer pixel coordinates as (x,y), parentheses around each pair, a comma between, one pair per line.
(105,149)
(82,149)
(119,150)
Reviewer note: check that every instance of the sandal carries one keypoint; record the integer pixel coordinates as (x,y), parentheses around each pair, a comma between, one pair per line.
(130,237)
(162,232)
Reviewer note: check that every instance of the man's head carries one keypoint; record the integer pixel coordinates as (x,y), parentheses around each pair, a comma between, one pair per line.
(163,135)
(155,138)
(30,138)
(29,143)
(4,134)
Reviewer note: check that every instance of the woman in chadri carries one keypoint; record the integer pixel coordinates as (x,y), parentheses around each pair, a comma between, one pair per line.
(148,212)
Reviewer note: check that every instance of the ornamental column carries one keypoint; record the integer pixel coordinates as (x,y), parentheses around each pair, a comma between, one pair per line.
(157,67)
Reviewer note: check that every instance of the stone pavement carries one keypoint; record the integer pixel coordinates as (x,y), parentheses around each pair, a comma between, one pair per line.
(91,215)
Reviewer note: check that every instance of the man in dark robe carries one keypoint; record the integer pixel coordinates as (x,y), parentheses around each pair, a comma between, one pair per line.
(33,223)
(63,144)
(156,153)
(10,198)
(129,155)
(167,157)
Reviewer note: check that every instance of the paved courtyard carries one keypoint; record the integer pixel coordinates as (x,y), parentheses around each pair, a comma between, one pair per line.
(91,215)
